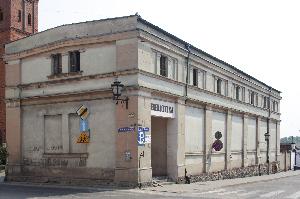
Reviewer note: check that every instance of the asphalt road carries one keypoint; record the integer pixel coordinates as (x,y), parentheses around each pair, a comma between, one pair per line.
(288,188)
(284,188)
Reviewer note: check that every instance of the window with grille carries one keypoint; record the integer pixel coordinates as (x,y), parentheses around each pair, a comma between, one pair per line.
(56,64)
(164,66)
(74,61)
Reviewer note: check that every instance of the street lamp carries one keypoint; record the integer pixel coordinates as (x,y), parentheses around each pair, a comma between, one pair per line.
(117,89)
(267,139)
(293,144)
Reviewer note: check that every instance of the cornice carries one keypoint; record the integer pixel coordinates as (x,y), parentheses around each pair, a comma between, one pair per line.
(71,42)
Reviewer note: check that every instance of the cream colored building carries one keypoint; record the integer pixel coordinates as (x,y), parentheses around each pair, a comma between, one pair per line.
(182,94)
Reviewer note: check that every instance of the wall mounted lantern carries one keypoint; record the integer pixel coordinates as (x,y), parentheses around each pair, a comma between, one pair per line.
(117,89)
(267,137)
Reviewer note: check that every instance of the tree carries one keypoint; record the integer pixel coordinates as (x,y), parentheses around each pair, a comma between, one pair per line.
(290,139)
(3,155)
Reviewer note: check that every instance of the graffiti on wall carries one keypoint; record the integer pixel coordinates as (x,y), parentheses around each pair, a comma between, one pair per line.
(56,162)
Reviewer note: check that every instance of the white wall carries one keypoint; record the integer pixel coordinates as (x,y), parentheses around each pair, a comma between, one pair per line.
(237,133)
(101,149)
(263,130)
(194,130)
(219,124)
(251,137)
(97,59)
(35,69)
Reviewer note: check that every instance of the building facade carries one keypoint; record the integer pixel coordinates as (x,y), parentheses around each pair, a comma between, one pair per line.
(18,19)
(189,115)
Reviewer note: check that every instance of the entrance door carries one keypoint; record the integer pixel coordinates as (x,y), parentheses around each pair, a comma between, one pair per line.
(159,146)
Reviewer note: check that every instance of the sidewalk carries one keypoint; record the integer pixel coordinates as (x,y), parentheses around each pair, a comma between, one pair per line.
(173,189)
(211,185)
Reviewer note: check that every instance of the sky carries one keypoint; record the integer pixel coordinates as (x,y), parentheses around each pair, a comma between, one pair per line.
(260,37)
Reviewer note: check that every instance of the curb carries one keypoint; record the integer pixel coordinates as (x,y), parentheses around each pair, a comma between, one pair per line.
(271,178)
(212,185)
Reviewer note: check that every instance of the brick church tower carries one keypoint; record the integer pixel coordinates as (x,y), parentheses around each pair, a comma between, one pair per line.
(18,19)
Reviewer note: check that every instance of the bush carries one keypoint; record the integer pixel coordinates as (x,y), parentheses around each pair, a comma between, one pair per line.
(3,155)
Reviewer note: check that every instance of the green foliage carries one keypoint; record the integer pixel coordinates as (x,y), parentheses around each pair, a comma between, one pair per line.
(3,155)
(289,140)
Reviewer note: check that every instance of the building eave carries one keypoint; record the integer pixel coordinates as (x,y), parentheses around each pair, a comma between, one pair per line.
(143,21)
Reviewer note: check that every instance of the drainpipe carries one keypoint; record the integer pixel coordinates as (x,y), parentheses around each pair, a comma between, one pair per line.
(187,46)
(268,131)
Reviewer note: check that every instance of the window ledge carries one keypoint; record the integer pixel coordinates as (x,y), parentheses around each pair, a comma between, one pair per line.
(65,75)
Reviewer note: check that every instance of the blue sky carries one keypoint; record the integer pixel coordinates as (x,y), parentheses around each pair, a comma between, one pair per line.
(260,37)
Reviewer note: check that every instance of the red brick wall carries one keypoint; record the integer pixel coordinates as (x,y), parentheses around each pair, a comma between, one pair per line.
(11,29)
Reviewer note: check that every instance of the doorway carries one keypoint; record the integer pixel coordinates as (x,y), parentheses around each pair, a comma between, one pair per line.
(159,146)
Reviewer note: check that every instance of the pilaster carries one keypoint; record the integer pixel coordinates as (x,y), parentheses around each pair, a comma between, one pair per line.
(258,144)
(277,141)
(176,143)
(13,118)
(126,166)
(65,133)
(228,139)
(245,135)
(208,138)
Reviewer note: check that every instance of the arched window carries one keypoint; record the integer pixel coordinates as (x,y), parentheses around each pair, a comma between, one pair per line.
(219,86)
(237,92)
(1,15)
(29,19)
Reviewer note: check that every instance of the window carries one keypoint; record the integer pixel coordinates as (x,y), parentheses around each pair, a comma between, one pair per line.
(195,77)
(74,61)
(275,106)
(266,102)
(252,98)
(19,15)
(219,86)
(1,15)
(163,66)
(237,92)
(56,64)
(29,19)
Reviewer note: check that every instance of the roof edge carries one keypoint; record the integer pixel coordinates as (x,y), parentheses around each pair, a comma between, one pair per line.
(140,19)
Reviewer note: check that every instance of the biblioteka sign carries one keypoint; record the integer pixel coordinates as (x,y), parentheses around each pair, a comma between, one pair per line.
(162,109)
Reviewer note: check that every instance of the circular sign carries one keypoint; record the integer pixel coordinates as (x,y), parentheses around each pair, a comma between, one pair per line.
(218,135)
(217,145)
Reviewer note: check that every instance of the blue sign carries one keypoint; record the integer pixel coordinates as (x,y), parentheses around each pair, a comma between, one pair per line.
(141,138)
(84,126)
(125,129)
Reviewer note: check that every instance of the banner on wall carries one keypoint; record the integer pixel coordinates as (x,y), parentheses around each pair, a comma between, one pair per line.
(162,109)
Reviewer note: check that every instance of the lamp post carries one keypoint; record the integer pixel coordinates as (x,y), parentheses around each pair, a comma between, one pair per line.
(293,144)
(267,139)
(117,89)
